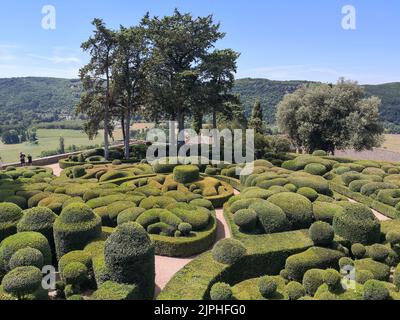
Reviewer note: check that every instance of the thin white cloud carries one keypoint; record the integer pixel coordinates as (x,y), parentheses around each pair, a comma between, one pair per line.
(57,58)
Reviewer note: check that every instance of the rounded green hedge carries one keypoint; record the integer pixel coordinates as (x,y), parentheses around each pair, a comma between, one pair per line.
(38,219)
(221,292)
(375,290)
(332,278)
(357,224)
(309,193)
(76,226)
(315,169)
(186,174)
(295,290)
(75,256)
(22,240)
(246,219)
(319,153)
(18,200)
(267,286)
(325,211)
(321,233)
(298,209)
(129,215)
(378,252)
(312,280)
(26,257)
(75,273)
(22,281)
(271,217)
(358,250)
(10,214)
(129,255)
(228,251)
(362,276)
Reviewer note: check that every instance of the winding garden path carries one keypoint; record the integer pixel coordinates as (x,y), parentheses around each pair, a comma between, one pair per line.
(166,267)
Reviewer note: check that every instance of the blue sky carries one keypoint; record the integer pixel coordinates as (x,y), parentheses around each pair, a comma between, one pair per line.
(277,39)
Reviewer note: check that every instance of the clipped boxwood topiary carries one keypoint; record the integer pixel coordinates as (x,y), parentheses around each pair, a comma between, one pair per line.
(267,286)
(21,240)
(358,250)
(362,276)
(76,226)
(298,209)
(380,270)
(325,211)
(309,193)
(186,174)
(332,278)
(26,257)
(10,214)
(39,219)
(228,251)
(357,224)
(221,292)
(246,219)
(295,290)
(319,153)
(271,217)
(75,273)
(346,262)
(313,258)
(396,277)
(375,290)
(316,169)
(378,252)
(129,215)
(110,290)
(75,256)
(321,233)
(312,280)
(22,281)
(129,255)
(19,201)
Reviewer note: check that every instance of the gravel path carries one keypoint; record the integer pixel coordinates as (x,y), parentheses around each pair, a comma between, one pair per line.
(375,154)
(377,214)
(56,169)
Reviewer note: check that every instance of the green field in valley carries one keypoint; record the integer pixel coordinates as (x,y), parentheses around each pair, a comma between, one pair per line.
(48,140)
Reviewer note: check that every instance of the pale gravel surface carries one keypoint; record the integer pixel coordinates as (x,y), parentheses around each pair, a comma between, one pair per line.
(375,154)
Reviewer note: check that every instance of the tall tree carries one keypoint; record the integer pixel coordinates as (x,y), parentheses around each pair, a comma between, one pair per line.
(97,74)
(130,74)
(256,120)
(179,44)
(331,117)
(218,69)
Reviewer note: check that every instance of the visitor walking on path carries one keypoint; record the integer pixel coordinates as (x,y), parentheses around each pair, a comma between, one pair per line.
(22,159)
(29,160)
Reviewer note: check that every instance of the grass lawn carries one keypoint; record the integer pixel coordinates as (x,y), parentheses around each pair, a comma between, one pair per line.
(392,142)
(49,140)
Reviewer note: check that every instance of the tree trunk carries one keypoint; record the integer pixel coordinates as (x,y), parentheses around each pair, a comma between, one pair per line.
(214,118)
(123,125)
(106,128)
(127,132)
(181,126)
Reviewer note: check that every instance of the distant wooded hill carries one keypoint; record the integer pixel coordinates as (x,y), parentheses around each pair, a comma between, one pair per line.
(27,100)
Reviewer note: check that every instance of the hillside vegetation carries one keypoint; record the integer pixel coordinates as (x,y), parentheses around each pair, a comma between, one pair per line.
(49,99)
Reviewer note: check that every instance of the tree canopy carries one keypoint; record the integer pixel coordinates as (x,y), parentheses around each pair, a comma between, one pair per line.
(331,117)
